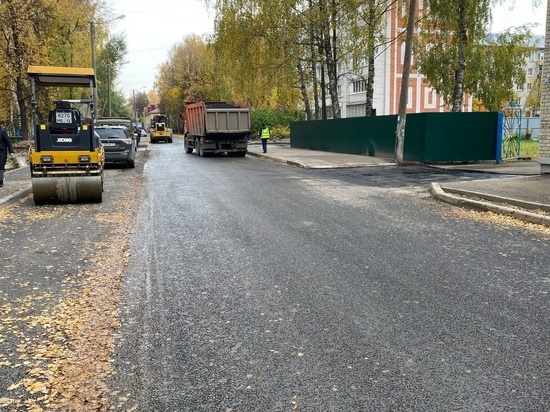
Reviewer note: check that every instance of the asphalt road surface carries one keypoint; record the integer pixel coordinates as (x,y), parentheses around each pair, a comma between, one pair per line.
(255,286)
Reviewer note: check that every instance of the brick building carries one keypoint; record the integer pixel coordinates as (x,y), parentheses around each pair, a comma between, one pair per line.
(544,140)
(387,80)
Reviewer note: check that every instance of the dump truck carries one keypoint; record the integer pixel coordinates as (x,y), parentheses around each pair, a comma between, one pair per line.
(217,127)
(160,129)
(67,159)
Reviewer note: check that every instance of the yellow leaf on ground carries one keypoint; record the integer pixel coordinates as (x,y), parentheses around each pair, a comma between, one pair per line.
(5,402)
(37,387)
(14,386)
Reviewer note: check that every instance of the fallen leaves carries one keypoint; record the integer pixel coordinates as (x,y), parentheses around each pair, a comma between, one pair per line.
(497,219)
(5,402)
(67,362)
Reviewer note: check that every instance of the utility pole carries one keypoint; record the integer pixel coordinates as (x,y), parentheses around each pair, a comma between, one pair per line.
(404,96)
(92,40)
(109,88)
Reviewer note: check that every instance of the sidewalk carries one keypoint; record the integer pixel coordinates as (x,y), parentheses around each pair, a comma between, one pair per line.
(314,159)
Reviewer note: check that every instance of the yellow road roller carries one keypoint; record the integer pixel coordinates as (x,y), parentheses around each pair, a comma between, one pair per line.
(67,160)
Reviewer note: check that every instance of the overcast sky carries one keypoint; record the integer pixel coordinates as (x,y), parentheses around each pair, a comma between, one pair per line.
(152,28)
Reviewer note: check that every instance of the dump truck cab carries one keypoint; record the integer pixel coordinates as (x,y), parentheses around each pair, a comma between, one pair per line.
(67,159)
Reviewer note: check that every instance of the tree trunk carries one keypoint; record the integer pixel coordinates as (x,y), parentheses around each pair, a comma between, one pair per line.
(369,109)
(303,89)
(371,51)
(332,72)
(314,56)
(22,95)
(458,93)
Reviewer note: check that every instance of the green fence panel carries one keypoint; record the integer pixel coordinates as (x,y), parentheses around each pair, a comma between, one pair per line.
(451,137)
(429,137)
(370,136)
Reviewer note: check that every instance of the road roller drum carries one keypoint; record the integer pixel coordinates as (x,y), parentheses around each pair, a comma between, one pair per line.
(71,189)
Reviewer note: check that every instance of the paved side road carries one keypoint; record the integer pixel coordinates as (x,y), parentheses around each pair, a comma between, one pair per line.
(522,188)
(519,184)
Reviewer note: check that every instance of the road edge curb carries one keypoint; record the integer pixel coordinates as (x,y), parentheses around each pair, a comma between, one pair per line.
(14,197)
(439,194)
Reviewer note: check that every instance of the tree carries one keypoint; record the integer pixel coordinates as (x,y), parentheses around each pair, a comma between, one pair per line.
(368,35)
(449,33)
(255,46)
(22,23)
(453,52)
(500,67)
(139,102)
(109,63)
(186,76)
(42,32)
(68,37)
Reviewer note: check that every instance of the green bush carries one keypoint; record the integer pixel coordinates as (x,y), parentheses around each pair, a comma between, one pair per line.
(280,132)
(278,122)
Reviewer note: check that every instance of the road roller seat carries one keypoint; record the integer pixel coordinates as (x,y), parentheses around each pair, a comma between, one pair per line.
(64,119)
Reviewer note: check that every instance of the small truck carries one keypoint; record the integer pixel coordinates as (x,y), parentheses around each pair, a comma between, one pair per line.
(217,127)
(160,129)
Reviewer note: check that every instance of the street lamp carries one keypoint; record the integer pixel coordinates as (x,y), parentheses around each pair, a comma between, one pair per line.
(92,40)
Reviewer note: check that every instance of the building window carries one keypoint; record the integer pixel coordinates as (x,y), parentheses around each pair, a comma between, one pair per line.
(359,86)
(529,72)
(541,56)
(356,110)
(430,98)
(529,85)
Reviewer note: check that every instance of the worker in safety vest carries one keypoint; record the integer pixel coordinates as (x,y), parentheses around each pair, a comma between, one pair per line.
(264,135)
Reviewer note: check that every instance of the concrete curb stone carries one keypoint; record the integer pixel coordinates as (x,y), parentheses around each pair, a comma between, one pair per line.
(439,194)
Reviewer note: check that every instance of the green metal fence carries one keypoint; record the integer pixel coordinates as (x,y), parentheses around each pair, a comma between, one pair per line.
(429,137)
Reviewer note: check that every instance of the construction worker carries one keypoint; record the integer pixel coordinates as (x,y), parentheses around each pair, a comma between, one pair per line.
(264,135)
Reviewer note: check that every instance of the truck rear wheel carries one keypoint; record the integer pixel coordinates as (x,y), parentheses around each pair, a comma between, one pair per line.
(198,147)
(186,146)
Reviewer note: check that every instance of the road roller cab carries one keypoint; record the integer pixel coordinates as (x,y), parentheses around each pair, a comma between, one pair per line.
(67,160)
